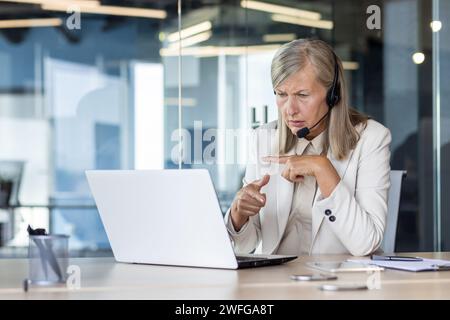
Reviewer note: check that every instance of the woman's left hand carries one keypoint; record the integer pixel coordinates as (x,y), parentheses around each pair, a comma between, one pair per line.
(296,167)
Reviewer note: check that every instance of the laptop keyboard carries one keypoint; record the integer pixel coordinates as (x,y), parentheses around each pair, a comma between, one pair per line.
(244,258)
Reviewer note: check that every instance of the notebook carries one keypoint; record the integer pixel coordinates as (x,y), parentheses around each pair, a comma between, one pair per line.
(414,266)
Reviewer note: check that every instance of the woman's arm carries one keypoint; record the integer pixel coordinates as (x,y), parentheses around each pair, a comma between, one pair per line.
(326,176)
(247,238)
(360,217)
(318,166)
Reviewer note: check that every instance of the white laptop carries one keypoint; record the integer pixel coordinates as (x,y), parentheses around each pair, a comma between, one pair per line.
(167,217)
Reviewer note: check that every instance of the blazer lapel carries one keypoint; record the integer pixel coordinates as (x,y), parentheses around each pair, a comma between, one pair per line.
(285,192)
(279,192)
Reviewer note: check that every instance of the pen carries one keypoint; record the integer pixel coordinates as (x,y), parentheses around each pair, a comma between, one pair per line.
(395,258)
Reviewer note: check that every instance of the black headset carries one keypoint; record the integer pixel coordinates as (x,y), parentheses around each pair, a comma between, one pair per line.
(332,98)
(334,93)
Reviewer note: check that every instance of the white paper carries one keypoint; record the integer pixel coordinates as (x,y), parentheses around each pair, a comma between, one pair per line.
(425,265)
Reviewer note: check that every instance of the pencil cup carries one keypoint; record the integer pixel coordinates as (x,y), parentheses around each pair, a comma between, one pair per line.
(48,259)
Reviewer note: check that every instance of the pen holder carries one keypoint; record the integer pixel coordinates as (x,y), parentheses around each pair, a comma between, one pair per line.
(48,259)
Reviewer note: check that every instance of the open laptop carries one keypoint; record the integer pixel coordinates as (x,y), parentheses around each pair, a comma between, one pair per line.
(167,217)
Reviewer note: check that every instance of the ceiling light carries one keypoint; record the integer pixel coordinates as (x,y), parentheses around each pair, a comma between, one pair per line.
(201,37)
(68,3)
(350,65)
(280,37)
(190,31)
(322,24)
(418,57)
(110,10)
(207,51)
(272,8)
(30,23)
(436,25)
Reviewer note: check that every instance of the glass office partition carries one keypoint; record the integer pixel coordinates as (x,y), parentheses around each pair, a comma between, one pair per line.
(81,90)
(105,91)
(441,107)
(386,47)
(226,84)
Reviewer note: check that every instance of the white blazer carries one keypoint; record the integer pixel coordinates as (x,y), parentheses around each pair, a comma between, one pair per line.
(351,220)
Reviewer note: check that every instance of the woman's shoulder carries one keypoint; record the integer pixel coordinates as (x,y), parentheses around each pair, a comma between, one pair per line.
(373,133)
(372,127)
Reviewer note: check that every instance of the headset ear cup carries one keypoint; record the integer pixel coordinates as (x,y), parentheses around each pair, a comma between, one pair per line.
(333,96)
(334,93)
(329,99)
(337,94)
(335,101)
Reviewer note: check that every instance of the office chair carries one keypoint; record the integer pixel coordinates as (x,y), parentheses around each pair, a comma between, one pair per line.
(388,244)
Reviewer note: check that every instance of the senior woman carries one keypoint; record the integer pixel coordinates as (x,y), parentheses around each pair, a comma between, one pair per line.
(328,194)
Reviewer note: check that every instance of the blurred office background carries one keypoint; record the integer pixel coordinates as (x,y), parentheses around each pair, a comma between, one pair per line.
(104,92)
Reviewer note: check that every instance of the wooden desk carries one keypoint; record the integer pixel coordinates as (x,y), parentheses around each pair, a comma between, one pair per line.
(102,278)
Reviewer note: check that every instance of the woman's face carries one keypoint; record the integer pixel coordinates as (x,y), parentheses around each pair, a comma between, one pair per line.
(301,101)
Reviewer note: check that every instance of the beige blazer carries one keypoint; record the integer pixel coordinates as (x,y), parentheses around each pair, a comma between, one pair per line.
(351,220)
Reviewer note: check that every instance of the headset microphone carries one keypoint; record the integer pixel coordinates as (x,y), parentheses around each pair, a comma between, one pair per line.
(303,132)
(332,98)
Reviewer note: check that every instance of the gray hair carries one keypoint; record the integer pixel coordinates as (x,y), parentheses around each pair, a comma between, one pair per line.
(292,57)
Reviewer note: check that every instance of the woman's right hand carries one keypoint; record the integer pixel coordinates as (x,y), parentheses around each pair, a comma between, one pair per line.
(248,202)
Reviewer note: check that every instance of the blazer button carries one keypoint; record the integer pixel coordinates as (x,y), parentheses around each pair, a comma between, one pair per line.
(332,218)
(327,212)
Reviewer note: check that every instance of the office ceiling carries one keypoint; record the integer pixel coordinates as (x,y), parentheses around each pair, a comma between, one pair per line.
(231,24)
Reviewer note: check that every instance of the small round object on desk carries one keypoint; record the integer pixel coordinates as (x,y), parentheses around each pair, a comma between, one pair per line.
(342,287)
(312,277)
(332,218)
